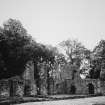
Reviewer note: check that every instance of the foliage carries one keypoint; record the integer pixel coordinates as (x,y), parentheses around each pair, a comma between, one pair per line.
(14,40)
(17,47)
(75,51)
(98,61)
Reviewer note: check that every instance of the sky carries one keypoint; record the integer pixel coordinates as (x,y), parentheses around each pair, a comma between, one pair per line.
(52,21)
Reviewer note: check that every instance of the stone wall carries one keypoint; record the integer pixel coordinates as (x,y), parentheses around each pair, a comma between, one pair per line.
(80,86)
(102,87)
(51,86)
(4,88)
(30,88)
(43,82)
(16,87)
(11,87)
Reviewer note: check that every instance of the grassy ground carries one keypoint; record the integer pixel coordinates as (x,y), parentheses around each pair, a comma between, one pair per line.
(13,100)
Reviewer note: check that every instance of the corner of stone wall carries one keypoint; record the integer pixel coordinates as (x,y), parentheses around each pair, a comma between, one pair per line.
(4,89)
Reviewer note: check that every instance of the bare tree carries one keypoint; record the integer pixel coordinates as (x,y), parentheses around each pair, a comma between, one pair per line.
(74,50)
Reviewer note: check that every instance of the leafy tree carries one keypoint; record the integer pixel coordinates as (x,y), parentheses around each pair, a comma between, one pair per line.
(14,40)
(98,61)
(17,47)
(74,50)
(75,53)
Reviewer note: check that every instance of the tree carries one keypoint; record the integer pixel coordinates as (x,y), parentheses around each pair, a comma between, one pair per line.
(98,61)
(74,50)
(14,41)
(75,53)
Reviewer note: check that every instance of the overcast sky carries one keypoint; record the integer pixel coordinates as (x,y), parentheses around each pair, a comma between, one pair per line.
(52,21)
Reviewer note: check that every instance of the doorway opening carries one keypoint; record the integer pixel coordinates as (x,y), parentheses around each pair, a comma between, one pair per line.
(73,89)
(91,88)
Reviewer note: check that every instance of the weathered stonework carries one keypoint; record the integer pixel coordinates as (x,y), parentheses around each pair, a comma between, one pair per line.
(11,87)
(102,87)
(43,79)
(80,86)
(4,88)
(25,85)
(30,88)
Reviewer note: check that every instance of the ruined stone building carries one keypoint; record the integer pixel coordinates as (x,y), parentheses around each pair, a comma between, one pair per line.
(70,82)
(67,82)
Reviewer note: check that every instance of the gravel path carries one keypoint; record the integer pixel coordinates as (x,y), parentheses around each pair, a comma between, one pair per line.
(81,101)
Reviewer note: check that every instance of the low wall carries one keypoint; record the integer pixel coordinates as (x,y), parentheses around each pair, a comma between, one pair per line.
(11,87)
(80,86)
(4,88)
